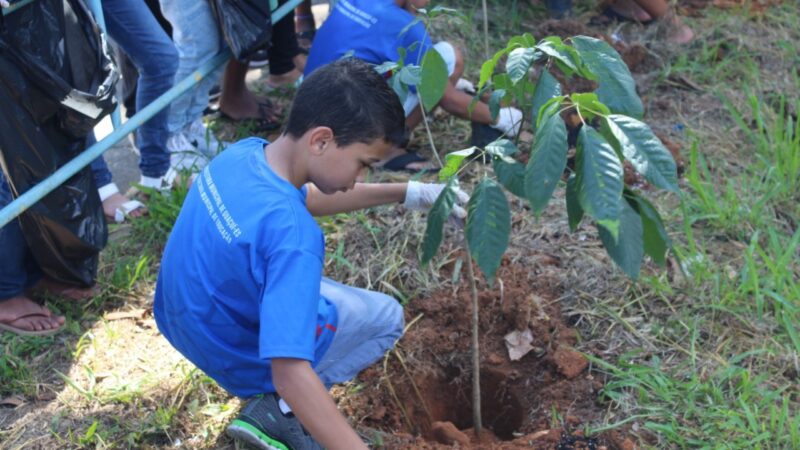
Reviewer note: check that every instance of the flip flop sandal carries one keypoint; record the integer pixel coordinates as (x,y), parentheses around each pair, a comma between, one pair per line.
(400,163)
(23,332)
(261,124)
(123,210)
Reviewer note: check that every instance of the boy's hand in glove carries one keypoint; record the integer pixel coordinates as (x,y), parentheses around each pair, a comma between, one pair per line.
(421,197)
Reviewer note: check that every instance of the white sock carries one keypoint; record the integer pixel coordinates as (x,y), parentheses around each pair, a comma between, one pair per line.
(285,408)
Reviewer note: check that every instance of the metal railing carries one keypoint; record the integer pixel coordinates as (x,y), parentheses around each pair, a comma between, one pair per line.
(44,187)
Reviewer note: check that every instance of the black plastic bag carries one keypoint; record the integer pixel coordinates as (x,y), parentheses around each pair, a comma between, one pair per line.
(49,103)
(58,46)
(246,25)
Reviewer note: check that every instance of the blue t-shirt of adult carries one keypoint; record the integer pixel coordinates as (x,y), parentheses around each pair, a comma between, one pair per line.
(371,30)
(240,277)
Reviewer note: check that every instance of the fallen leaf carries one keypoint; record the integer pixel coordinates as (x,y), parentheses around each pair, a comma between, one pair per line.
(518,343)
(13,401)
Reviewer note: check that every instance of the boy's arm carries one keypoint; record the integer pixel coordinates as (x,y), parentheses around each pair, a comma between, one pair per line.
(298,385)
(363,195)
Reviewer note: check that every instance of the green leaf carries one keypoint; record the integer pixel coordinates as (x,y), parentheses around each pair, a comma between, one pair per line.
(547,88)
(488,226)
(628,249)
(599,177)
(511,175)
(494,102)
(502,148)
(589,105)
(410,75)
(656,239)
(562,53)
(436,218)
(574,210)
(644,151)
(487,69)
(616,88)
(453,161)
(519,62)
(546,107)
(548,160)
(433,79)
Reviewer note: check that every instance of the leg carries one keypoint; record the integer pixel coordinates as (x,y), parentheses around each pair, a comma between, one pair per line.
(304,24)
(134,28)
(237,102)
(369,324)
(284,53)
(18,313)
(197,39)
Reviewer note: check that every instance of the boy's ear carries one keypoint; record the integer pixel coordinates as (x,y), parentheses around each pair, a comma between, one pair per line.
(320,139)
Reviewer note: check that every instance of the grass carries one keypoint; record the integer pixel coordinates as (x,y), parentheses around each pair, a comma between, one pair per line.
(703,355)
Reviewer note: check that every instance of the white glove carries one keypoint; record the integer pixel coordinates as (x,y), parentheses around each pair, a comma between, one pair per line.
(4,4)
(421,197)
(462,85)
(509,121)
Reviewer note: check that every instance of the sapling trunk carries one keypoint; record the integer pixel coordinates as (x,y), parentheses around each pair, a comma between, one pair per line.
(476,355)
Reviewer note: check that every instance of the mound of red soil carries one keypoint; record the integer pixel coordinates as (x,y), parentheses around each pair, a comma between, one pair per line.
(420,397)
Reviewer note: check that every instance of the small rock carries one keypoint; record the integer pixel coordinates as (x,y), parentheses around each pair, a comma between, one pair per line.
(628,444)
(447,433)
(569,362)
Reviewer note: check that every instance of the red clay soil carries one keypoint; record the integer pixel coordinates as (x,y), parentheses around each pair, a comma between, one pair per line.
(420,397)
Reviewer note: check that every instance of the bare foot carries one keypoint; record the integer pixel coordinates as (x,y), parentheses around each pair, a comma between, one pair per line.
(247,107)
(115,201)
(23,316)
(49,286)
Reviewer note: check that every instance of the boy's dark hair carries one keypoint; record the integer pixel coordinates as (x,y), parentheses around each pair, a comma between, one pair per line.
(353,100)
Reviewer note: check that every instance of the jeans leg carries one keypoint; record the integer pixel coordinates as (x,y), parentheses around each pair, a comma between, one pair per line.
(369,323)
(18,270)
(197,38)
(283,46)
(132,26)
(102,176)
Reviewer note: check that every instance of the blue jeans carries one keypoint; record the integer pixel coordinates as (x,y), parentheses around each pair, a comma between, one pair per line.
(368,325)
(197,38)
(18,269)
(132,26)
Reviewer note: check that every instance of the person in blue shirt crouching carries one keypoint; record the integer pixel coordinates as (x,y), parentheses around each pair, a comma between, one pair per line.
(240,292)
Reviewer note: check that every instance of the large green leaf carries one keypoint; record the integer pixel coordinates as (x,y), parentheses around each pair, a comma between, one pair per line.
(488,66)
(656,239)
(599,177)
(616,89)
(502,148)
(561,53)
(488,226)
(433,79)
(548,160)
(547,87)
(627,250)
(574,210)
(437,216)
(494,102)
(644,151)
(519,61)
(453,162)
(510,175)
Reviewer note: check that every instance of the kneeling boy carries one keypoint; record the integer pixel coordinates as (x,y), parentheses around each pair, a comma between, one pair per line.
(241,293)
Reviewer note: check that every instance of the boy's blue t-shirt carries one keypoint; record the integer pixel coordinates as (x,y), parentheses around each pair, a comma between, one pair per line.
(240,277)
(371,30)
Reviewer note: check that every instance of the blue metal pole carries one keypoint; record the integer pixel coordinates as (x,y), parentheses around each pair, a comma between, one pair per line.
(97,9)
(36,193)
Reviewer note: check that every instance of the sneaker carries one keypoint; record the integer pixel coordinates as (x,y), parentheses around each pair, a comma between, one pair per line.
(207,142)
(262,424)
(184,153)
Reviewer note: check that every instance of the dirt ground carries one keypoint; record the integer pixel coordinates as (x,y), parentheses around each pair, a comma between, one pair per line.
(423,388)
